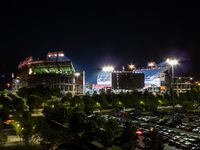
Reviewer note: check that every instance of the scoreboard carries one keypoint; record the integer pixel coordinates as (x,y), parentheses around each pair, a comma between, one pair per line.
(127,80)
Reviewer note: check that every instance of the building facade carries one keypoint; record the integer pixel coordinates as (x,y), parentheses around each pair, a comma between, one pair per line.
(55,72)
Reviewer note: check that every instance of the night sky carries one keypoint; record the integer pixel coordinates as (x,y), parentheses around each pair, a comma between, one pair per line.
(96,33)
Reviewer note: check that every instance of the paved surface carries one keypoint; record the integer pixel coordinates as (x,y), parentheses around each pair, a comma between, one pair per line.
(167,147)
(12,138)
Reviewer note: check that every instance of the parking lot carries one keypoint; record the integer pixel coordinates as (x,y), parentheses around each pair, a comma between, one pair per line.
(178,130)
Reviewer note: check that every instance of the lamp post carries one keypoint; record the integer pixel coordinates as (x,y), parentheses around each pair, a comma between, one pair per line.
(172,63)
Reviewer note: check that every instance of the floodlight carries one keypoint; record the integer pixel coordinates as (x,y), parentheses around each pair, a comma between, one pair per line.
(108,68)
(172,62)
(131,66)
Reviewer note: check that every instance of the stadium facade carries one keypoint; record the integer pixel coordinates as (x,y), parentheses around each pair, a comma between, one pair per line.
(157,78)
(55,72)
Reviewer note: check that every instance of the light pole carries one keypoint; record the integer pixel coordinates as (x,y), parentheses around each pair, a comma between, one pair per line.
(172,63)
(76,74)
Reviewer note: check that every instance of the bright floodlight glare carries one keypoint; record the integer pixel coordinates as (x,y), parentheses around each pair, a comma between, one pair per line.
(131,66)
(151,64)
(77,74)
(108,68)
(172,62)
(30,71)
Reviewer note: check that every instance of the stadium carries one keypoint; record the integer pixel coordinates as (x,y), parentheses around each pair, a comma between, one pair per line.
(154,78)
(55,72)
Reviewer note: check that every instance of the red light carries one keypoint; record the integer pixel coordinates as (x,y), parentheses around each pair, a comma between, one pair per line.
(139,132)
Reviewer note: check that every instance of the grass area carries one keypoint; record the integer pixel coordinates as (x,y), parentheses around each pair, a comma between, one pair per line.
(196,110)
(106,110)
(97,144)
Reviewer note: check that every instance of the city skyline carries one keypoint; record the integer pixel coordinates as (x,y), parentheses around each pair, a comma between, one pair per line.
(95,34)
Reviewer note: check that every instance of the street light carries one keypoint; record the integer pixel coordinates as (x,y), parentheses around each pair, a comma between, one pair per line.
(172,63)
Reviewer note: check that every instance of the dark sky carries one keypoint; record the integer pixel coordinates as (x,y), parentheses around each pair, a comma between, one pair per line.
(96,33)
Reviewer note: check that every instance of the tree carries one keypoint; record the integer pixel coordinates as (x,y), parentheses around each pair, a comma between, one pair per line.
(188,105)
(117,103)
(53,127)
(40,90)
(50,133)
(100,99)
(77,122)
(128,138)
(91,131)
(18,105)
(93,127)
(34,102)
(27,125)
(89,104)
(109,133)
(5,102)
(150,101)
(153,141)
(59,113)
(77,103)
(67,99)
(3,137)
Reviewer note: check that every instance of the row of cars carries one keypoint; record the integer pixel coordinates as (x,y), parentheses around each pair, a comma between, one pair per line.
(177,138)
(180,139)
(192,125)
(189,126)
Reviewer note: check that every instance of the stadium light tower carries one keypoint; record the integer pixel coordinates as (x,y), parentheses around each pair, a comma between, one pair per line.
(76,74)
(131,67)
(172,63)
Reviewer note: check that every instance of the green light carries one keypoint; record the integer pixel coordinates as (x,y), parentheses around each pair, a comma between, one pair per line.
(141,102)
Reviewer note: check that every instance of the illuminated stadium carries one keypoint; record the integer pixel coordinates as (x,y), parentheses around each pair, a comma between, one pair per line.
(104,79)
(155,77)
(56,71)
